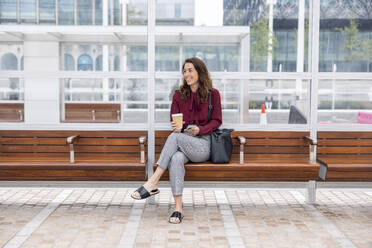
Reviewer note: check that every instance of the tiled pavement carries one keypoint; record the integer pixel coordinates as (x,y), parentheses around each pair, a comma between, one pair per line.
(108,217)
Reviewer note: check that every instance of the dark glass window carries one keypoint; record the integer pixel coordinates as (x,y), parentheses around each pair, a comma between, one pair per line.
(66,12)
(98,12)
(85,63)
(28,11)
(84,9)
(8,11)
(9,62)
(47,11)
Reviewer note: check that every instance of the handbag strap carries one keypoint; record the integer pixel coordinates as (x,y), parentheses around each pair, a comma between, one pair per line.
(210,106)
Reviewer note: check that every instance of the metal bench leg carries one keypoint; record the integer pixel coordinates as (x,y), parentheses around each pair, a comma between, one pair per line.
(72,154)
(311,192)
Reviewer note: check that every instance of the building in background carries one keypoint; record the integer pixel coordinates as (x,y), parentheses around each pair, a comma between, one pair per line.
(98,50)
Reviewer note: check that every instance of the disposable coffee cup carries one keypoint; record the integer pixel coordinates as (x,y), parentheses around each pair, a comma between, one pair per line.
(178,119)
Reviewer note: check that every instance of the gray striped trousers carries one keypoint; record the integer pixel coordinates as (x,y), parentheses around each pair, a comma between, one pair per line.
(179,149)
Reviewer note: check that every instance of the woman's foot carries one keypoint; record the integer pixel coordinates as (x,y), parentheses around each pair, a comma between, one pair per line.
(176,216)
(146,190)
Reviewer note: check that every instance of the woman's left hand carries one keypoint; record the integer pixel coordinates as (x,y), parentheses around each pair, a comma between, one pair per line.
(194,131)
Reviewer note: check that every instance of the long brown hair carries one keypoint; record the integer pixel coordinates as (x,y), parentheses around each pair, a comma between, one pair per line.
(205,82)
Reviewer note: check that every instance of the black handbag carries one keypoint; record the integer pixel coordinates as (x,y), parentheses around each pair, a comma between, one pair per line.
(221,142)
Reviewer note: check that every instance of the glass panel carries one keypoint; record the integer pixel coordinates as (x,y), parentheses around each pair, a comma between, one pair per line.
(167,58)
(135,105)
(137,58)
(104,100)
(136,12)
(90,57)
(282,47)
(11,56)
(84,9)
(242,100)
(11,100)
(11,89)
(164,90)
(28,11)
(276,41)
(182,12)
(115,12)
(66,12)
(8,11)
(98,12)
(277,96)
(47,11)
(338,102)
(217,58)
(9,61)
(345,39)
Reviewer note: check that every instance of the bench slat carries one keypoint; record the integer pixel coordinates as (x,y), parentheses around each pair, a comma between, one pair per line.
(344,150)
(65,134)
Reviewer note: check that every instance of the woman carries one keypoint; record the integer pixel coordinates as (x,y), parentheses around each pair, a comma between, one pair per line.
(191,142)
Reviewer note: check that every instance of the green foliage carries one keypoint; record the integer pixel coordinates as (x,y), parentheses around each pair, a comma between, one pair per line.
(260,41)
(353,44)
(134,16)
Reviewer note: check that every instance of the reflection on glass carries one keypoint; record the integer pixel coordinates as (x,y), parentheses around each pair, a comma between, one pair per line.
(345,41)
(28,11)
(99,63)
(69,64)
(9,62)
(88,57)
(11,89)
(66,12)
(84,12)
(8,11)
(242,13)
(85,63)
(278,96)
(217,58)
(137,58)
(47,11)
(181,13)
(167,58)
(98,12)
(136,12)
(340,103)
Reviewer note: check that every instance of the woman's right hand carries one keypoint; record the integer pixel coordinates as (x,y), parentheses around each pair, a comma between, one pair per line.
(175,128)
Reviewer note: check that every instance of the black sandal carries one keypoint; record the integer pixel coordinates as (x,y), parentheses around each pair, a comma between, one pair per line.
(176,214)
(144,193)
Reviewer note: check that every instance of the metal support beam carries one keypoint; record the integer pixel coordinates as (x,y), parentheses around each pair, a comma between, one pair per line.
(311,192)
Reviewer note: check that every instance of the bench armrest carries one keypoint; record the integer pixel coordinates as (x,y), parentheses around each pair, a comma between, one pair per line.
(242,141)
(310,140)
(142,141)
(313,144)
(71,141)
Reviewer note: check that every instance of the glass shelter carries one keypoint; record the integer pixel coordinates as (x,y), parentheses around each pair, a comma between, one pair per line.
(90,64)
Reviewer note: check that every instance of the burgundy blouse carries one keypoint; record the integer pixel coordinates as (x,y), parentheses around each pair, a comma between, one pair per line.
(196,112)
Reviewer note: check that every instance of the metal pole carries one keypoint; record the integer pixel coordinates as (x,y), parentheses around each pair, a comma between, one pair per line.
(151,86)
(314,68)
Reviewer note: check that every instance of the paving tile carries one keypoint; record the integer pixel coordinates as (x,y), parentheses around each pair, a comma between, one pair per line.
(242,217)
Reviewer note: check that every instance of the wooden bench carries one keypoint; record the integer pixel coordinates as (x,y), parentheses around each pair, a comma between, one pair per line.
(91,155)
(89,112)
(346,156)
(265,156)
(11,112)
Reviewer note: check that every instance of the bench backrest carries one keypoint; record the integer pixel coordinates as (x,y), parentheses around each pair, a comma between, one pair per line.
(80,112)
(93,144)
(345,145)
(260,145)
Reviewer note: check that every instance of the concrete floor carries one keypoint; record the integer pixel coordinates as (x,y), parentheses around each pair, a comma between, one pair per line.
(214,217)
